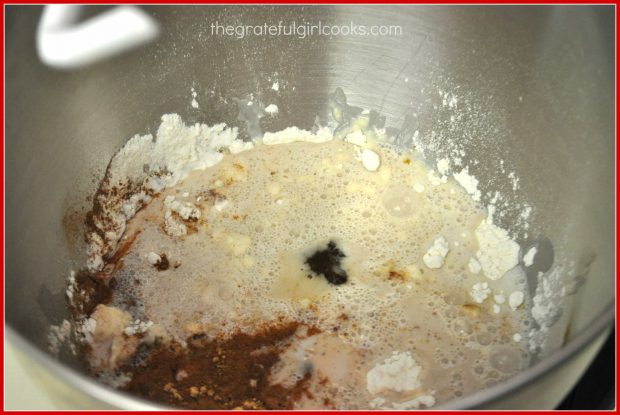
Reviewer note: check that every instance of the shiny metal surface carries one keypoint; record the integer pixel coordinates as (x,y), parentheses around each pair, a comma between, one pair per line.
(63,127)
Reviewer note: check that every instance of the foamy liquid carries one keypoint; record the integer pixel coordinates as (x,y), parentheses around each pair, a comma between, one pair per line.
(242,264)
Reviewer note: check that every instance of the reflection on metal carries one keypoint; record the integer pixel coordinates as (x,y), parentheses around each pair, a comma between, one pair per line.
(538,80)
(63,44)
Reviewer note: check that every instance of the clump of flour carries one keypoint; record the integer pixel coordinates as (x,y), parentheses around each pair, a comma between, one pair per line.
(146,165)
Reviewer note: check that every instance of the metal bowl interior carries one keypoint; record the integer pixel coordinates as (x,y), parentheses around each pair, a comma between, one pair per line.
(540,80)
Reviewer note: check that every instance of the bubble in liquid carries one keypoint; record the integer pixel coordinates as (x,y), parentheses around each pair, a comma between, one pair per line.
(484,338)
(504,359)
(462,327)
(400,204)
(451,312)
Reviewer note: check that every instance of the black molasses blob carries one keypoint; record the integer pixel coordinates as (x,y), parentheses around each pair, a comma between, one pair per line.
(326,262)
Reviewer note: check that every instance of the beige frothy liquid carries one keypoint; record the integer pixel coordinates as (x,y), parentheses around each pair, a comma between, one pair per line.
(243,263)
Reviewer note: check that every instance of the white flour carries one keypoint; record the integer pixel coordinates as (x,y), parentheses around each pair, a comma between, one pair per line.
(152,165)
(293,134)
(271,109)
(436,254)
(469,183)
(497,253)
(194,103)
(58,335)
(399,373)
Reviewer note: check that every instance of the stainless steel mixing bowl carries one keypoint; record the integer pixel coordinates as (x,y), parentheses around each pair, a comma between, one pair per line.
(541,79)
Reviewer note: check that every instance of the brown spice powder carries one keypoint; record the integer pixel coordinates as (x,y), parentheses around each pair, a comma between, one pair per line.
(231,373)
